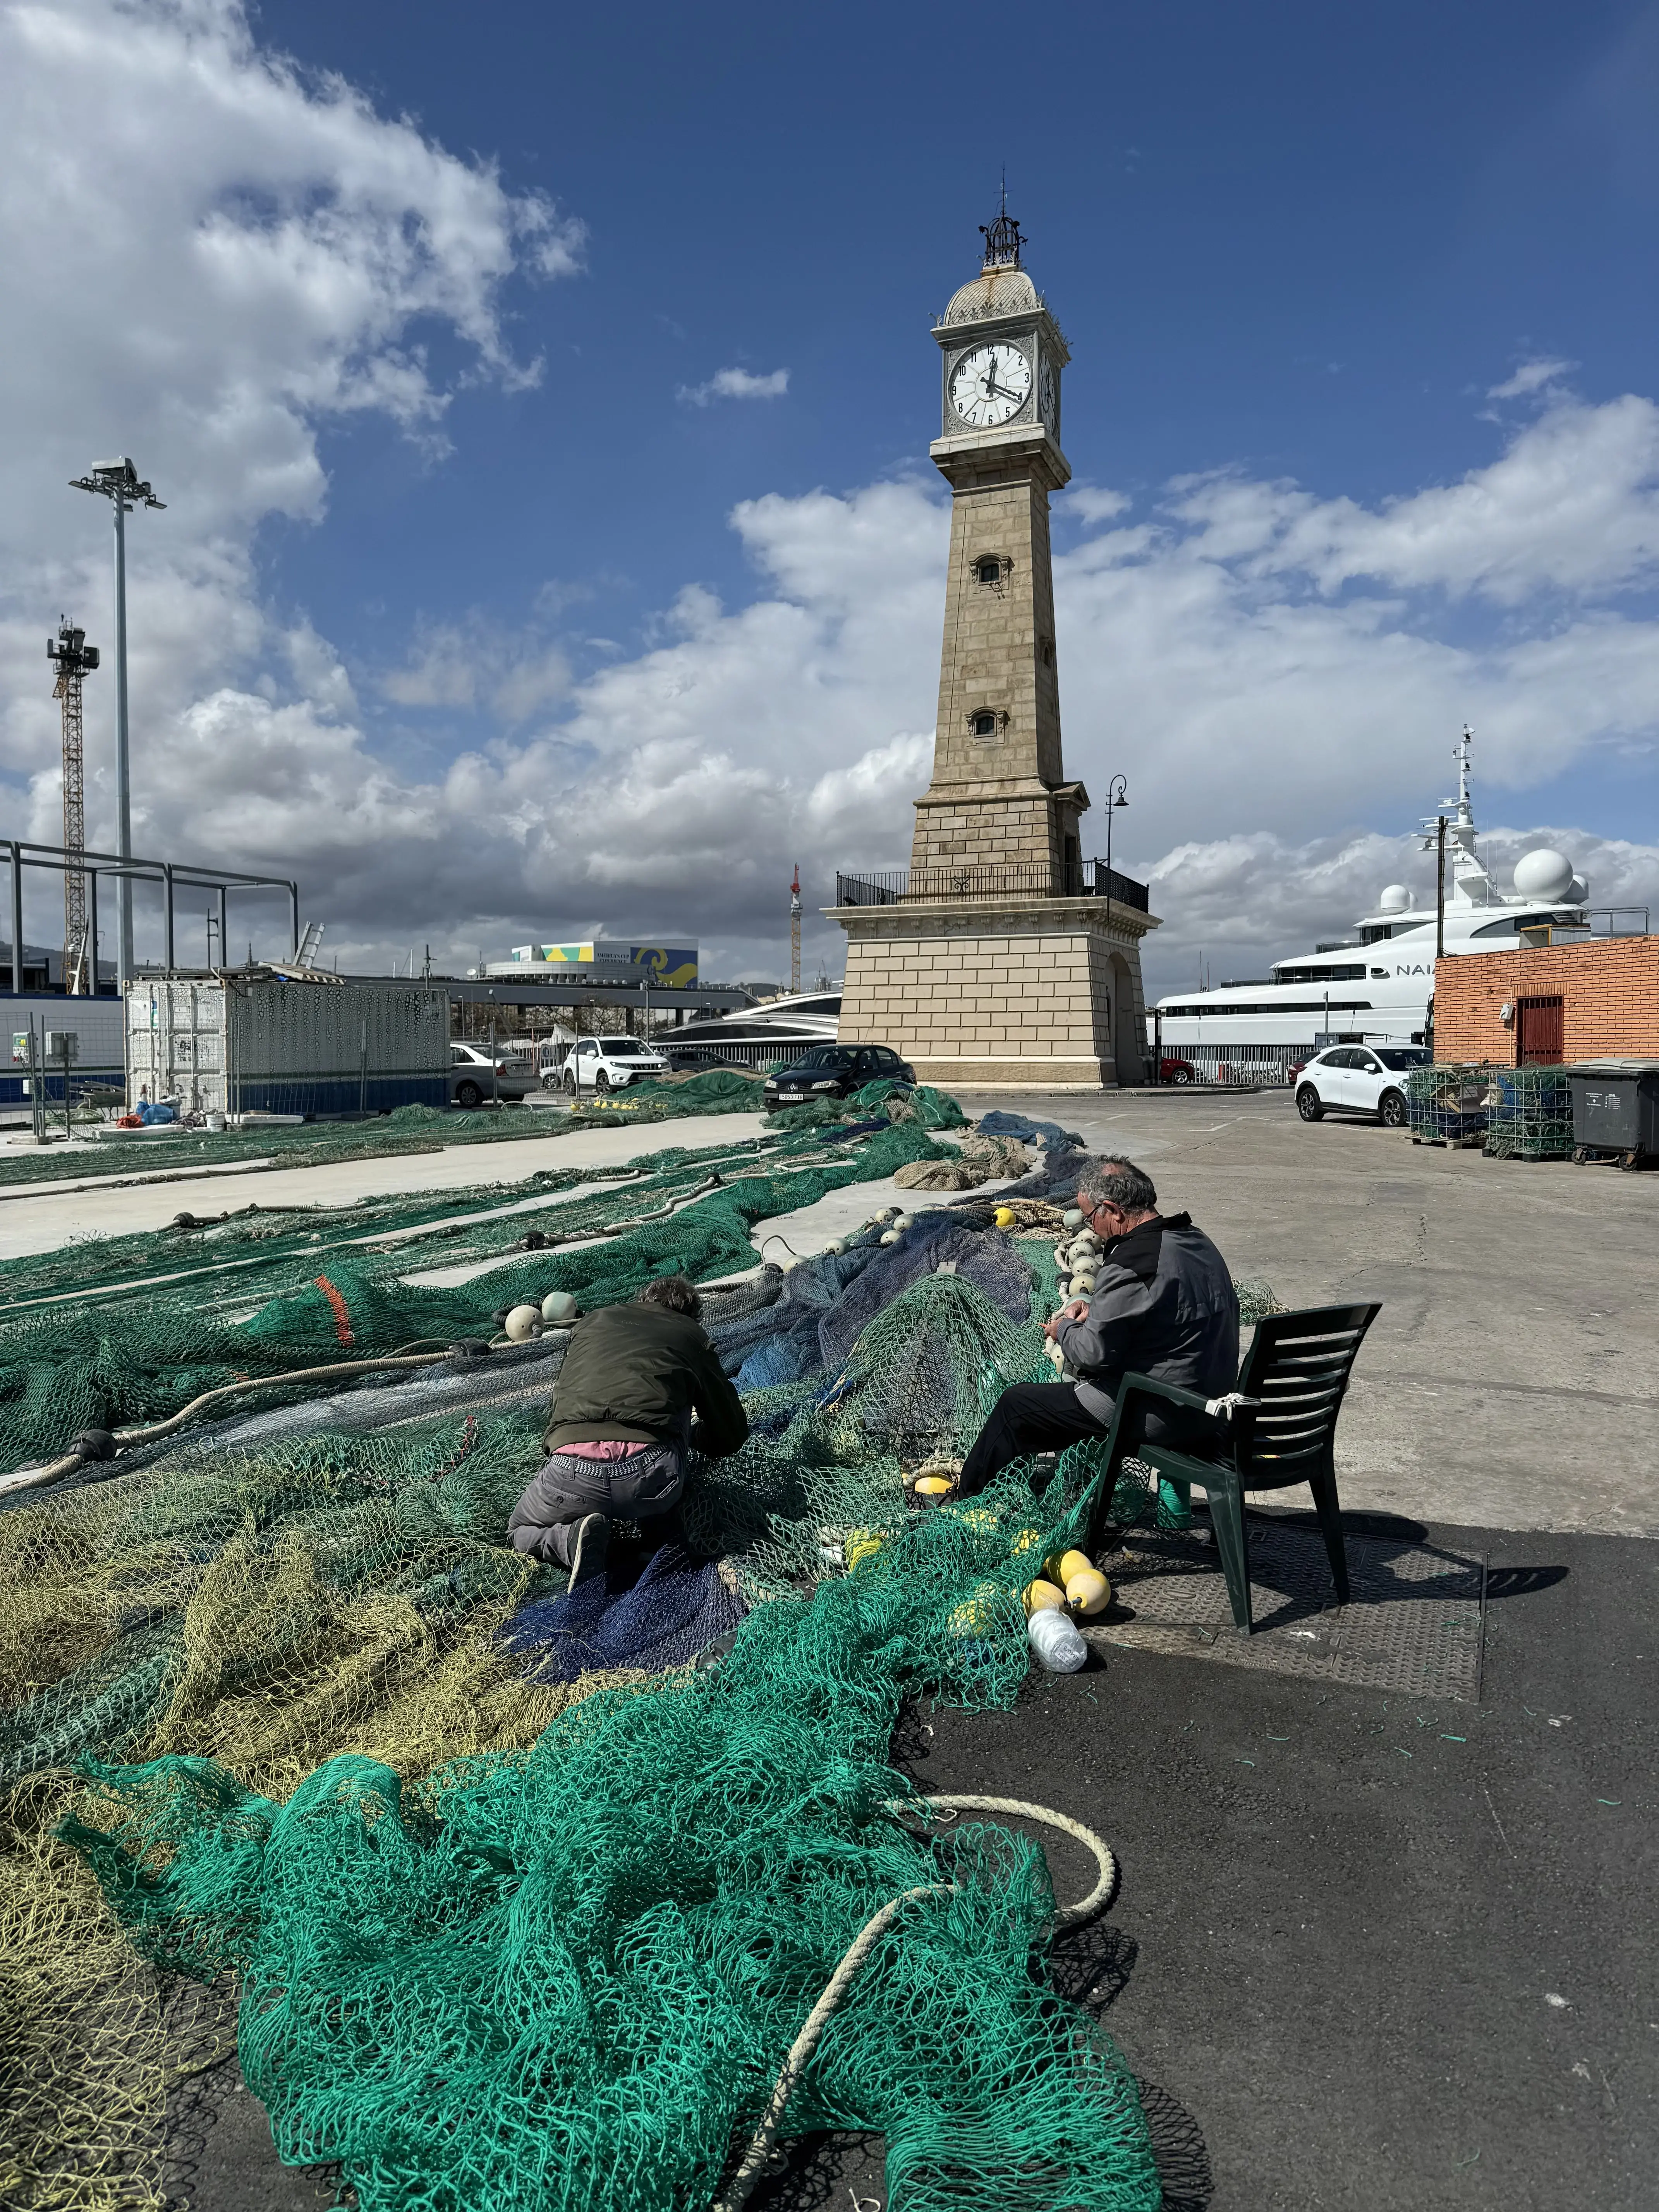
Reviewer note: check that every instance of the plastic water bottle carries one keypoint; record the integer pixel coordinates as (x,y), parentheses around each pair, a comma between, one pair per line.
(1055,1641)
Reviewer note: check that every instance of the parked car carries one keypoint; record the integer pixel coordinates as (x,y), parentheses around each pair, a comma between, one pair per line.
(1358,1078)
(1176,1071)
(835,1071)
(609,1063)
(474,1076)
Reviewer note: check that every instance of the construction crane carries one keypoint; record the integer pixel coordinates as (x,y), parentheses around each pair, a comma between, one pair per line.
(794,930)
(74,659)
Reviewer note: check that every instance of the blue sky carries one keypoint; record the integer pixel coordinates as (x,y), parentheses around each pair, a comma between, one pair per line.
(480,610)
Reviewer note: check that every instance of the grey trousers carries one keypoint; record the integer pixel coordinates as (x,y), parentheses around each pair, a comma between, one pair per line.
(644,1487)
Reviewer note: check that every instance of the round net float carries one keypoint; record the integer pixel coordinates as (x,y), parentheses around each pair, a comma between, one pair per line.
(1004,1217)
(522,1323)
(933,1486)
(1042,1596)
(558,1309)
(1088,1593)
(1073,1219)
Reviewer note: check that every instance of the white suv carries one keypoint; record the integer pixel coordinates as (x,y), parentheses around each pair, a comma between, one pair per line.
(1359,1079)
(608,1063)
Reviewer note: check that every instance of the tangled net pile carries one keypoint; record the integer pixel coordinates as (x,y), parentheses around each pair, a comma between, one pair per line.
(488,1938)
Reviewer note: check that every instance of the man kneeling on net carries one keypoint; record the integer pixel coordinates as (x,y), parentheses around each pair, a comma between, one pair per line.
(1163,1306)
(621,1424)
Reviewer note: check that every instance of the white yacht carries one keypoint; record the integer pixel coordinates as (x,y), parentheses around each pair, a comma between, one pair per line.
(1377,986)
(755,1036)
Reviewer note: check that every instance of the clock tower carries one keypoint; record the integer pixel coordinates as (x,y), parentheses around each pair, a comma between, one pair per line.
(998,796)
(1000,957)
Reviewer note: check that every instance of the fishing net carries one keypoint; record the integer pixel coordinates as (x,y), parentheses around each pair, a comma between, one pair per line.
(309,1296)
(314,1144)
(496,1910)
(1528,1114)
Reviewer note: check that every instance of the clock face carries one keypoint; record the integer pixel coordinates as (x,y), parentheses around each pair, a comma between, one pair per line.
(1048,394)
(991,386)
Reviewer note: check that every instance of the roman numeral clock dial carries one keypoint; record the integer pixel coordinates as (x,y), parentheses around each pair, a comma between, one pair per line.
(990,386)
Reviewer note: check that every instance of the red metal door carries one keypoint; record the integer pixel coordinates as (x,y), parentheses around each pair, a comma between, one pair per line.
(1538,1033)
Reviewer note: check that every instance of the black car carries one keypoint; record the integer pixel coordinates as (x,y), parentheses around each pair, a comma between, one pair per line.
(836,1071)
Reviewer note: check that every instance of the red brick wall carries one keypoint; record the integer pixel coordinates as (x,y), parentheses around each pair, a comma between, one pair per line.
(1609,987)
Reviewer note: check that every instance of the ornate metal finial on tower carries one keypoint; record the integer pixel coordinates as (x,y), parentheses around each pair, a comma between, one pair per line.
(1002,238)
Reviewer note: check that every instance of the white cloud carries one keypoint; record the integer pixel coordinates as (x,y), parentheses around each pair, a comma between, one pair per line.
(736,384)
(1277,673)
(1532,377)
(454,665)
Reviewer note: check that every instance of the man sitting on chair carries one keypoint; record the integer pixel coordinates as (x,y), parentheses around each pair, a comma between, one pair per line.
(1163,1306)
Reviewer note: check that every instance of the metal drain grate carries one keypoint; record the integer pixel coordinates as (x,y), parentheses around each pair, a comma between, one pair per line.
(1412,1622)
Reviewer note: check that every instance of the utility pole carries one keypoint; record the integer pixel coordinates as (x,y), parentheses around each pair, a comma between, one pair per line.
(794,930)
(1440,887)
(74,659)
(119,483)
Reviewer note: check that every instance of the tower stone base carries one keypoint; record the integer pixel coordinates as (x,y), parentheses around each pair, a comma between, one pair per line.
(1001,993)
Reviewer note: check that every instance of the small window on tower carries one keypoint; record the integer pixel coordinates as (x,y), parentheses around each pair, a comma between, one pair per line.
(988,571)
(985,726)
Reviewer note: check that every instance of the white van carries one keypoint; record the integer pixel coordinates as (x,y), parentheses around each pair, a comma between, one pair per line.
(601,1064)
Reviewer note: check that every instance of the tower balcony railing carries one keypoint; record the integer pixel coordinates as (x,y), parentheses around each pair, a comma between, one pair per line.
(1022,880)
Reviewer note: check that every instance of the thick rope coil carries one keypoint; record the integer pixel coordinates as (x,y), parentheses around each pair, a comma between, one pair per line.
(737,2190)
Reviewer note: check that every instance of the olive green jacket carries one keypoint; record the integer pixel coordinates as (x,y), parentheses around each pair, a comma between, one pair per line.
(638,1373)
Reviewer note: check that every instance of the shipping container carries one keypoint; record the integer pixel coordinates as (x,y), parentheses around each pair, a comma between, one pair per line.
(246,1044)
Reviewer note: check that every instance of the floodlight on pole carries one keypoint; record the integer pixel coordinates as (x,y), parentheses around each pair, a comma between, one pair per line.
(119,482)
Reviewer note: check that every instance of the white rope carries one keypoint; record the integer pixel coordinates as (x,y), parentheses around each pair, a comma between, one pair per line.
(738,2189)
(1223,1409)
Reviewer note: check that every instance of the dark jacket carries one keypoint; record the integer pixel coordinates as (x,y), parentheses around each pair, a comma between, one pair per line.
(638,1373)
(1163,1306)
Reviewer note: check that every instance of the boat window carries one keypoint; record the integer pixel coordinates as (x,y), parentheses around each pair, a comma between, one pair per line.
(1225,1011)
(1347,973)
(1508,925)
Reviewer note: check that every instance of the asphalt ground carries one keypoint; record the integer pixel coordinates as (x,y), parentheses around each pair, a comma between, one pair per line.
(1368,1952)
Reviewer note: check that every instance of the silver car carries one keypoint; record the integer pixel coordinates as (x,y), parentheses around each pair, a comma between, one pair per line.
(475,1078)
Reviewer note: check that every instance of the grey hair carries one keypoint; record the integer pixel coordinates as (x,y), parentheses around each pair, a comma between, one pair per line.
(677,1292)
(1107,1181)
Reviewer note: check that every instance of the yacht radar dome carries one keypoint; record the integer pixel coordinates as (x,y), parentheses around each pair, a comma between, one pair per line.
(1395,899)
(1578,890)
(1544,874)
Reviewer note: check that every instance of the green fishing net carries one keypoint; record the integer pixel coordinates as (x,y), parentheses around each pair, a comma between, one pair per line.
(481,1939)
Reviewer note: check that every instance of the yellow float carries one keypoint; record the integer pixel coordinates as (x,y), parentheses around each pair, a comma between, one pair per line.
(1042,1597)
(1087,1592)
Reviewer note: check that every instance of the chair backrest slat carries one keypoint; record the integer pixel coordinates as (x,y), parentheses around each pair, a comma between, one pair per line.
(1297,1367)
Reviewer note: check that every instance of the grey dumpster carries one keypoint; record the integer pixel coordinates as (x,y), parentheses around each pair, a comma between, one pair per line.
(1615,1109)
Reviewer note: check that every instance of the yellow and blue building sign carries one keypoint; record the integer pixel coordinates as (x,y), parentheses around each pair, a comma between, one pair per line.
(674,966)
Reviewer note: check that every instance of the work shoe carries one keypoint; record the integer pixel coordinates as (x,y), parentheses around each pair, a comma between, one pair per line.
(590,1549)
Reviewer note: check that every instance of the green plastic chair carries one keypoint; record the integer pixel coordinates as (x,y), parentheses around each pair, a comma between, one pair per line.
(1293,1384)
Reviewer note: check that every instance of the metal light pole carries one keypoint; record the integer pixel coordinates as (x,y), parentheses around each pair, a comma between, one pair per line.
(119,483)
(1117,794)
(1440,888)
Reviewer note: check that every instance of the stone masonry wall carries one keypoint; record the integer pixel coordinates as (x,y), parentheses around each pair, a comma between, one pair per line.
(983,998)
